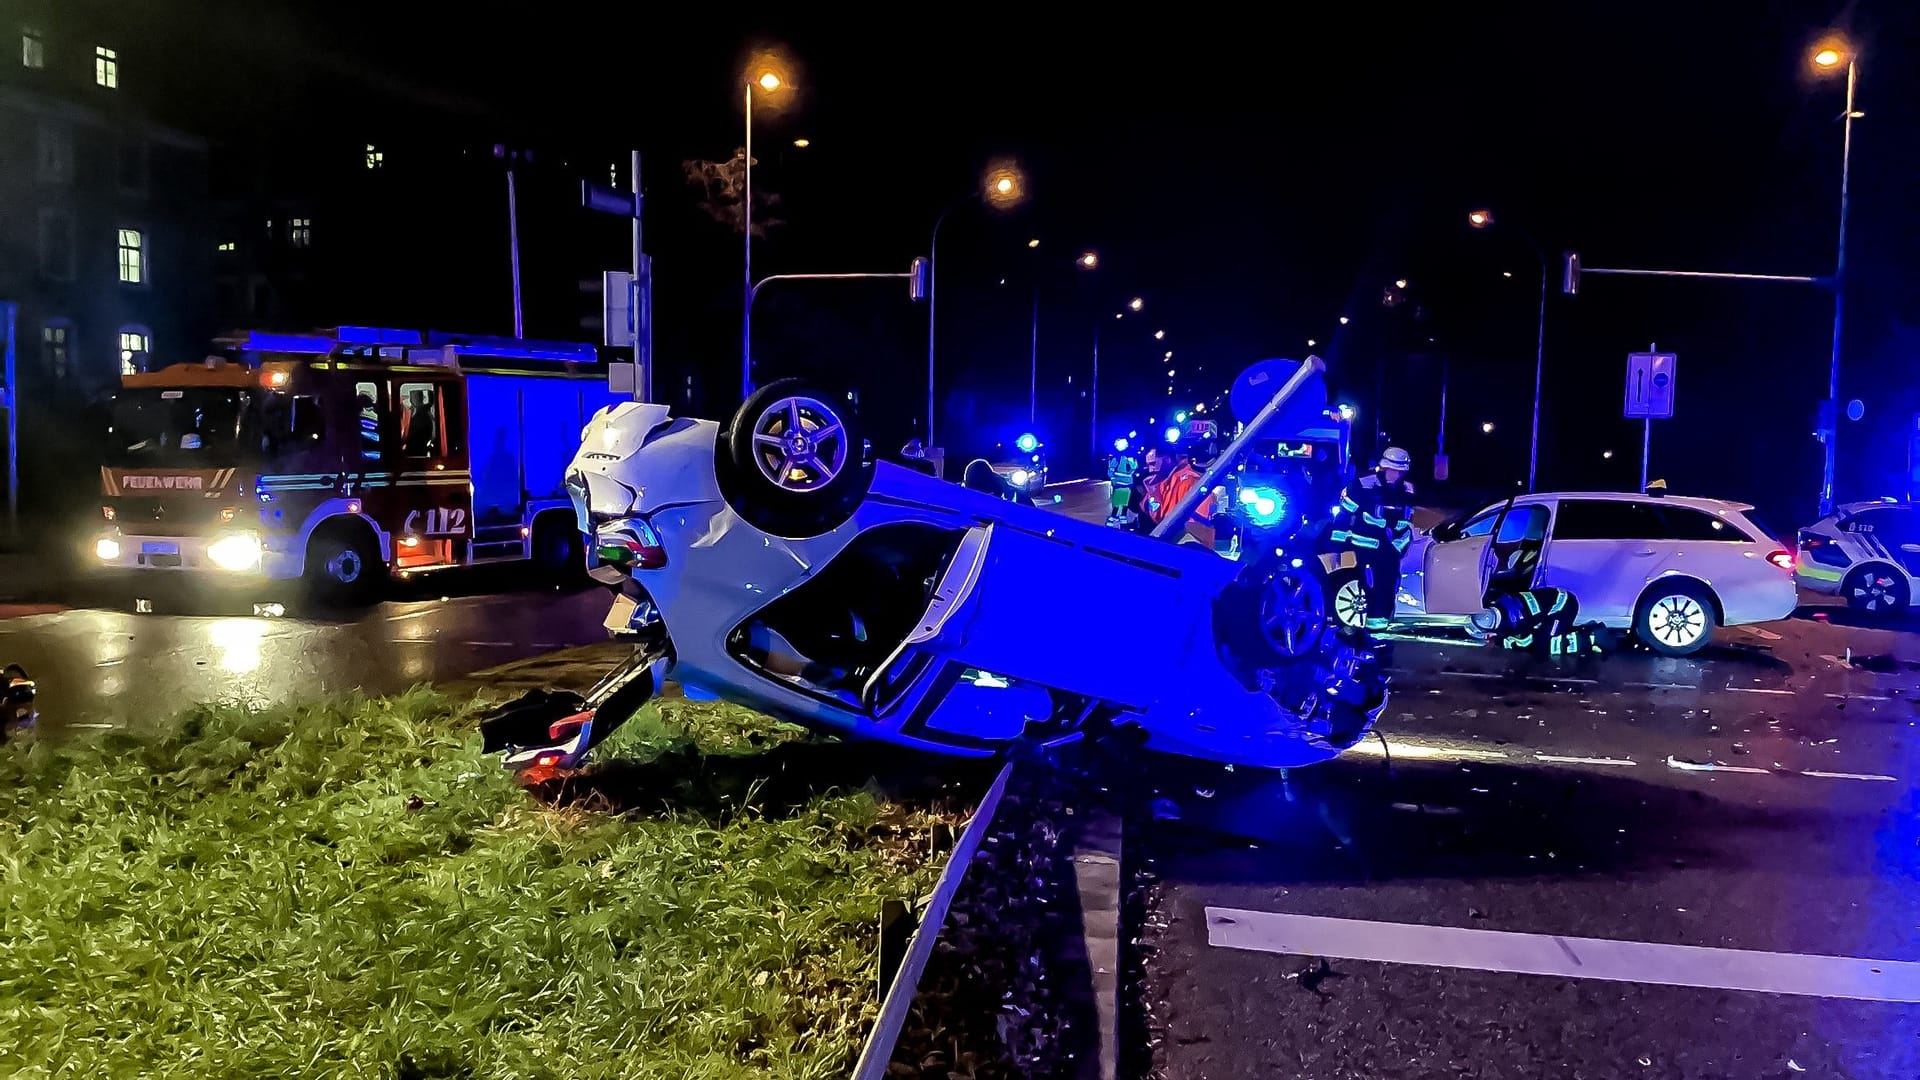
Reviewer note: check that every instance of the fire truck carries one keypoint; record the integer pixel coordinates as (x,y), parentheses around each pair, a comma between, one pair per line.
(347,455)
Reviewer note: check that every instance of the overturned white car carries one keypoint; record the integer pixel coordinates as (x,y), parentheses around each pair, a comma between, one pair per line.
(771,562)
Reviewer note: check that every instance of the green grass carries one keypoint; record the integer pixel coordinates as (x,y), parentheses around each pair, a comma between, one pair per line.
(351,889)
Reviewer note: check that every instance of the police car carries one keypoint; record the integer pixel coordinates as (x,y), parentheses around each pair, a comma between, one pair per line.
(1865,552)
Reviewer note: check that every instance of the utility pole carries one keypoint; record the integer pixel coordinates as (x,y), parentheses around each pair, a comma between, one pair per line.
(642,284)
(512,156)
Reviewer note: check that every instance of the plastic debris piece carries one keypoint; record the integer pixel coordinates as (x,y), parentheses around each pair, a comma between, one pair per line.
(269,610)
(1795,1066)
(1644,1060)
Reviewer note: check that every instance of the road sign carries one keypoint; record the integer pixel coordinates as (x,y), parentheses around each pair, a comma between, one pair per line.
(1650,377)
(605,200)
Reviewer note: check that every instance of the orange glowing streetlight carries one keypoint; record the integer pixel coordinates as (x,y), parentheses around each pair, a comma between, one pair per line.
(1089,260)
(768,72)
(1136,304)
(1829,55)
(1005,186)
(1480,218)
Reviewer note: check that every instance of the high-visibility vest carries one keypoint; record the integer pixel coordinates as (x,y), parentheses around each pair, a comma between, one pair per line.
(1121,470)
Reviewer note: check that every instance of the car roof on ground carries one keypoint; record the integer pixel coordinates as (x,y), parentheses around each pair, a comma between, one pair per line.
(1715,506)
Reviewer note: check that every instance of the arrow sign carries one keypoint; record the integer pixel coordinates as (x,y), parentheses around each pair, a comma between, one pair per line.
(605,200)
(1650,385)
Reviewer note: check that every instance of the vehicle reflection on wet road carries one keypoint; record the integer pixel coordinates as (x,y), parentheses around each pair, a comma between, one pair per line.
(108,667)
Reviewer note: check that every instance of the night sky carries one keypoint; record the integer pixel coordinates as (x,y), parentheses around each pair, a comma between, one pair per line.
(1251,177)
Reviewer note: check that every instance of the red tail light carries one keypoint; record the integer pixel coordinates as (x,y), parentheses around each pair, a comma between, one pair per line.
(1782,559)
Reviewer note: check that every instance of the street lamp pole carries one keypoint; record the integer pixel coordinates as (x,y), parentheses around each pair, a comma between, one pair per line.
(933,292)
(1033,363)
(1539,366)
(1839,293)
(746,262)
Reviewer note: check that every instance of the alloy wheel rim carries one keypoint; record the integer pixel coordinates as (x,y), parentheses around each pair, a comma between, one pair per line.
(799,444)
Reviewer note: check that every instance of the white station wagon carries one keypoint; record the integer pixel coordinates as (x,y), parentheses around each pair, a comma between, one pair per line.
(1670,568)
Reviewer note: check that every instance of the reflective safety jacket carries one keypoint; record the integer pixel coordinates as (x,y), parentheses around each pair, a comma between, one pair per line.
(1374,513)
(1121,470)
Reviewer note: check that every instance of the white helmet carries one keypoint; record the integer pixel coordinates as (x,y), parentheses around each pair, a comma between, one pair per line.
(1396,458)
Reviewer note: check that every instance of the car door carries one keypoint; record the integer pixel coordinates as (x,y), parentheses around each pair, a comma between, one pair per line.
(1454,569)
(1604,551)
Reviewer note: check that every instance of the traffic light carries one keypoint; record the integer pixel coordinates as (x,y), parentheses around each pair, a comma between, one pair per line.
(1570,275)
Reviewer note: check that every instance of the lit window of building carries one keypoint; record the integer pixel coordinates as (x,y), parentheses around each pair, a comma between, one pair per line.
(106,67)
(133,256)
(376,157)
(135,343)
(300,232)
(33,48)
(227,245)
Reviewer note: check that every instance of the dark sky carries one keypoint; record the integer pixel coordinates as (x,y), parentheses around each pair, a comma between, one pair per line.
(1253,176)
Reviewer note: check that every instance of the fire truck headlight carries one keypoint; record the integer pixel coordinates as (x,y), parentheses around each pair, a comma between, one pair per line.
(106,549)
(235,551)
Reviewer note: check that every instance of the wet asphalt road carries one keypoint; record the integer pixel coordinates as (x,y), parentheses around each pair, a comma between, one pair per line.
(1760,798)
(99,664)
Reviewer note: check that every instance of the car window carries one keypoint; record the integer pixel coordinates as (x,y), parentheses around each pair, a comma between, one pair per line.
(1481,523)
(1523,523)
(1686,523)
(1608,519)
(1888,522)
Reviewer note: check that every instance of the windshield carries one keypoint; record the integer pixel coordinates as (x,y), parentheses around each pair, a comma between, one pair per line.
(196,427)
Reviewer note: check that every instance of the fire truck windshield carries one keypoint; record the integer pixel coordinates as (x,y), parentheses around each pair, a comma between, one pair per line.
(180,427)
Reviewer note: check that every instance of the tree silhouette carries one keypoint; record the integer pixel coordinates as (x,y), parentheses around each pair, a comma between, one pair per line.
(721,184)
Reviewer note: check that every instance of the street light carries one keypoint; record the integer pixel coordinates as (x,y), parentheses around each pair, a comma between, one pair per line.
(802,144)
(1343,320)
(765,70)
(1483,219)
(1034,243)
(1089,260)
(1159,335)
(1486,427)
(1827,57)
(1136,304)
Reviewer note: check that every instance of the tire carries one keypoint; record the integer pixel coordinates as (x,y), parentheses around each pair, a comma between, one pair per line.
(1675,619)
(1272,617)
(559,551)
(1876,589)
(1346,598)
(344,566)
(794,461)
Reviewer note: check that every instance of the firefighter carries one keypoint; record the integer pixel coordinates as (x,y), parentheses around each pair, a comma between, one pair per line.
(1375,522)
(1121,470)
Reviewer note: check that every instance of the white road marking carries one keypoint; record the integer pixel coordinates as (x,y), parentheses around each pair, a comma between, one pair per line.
(489,644)
(1802,974)
(1557,759)
(1848,775)
(1758,690)
(1858,697)
(1708,766)
(1425,751)
(95,727)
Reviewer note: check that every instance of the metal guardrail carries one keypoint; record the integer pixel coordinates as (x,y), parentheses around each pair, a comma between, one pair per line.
(878,1051)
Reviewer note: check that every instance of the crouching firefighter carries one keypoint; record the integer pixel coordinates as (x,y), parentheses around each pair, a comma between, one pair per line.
(1541,620)
(1375,523)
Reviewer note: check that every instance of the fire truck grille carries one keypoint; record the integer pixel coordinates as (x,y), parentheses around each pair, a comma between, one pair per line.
(166,515)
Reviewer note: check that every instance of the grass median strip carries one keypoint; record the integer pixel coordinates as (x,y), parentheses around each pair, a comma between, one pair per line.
(350,888)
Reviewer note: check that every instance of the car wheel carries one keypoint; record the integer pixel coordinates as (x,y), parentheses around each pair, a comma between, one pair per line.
(1293,614)
(1876,589)
(793,462)
(343,565)
(1348,592)
(1675,619)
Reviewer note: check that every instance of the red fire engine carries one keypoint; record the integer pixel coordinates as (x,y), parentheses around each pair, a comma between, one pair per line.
(345,455)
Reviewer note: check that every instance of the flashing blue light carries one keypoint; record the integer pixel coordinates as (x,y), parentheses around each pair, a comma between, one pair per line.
(1265,506)
(1121,445)
(1173,434)
(1180,417)
(1027,443)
